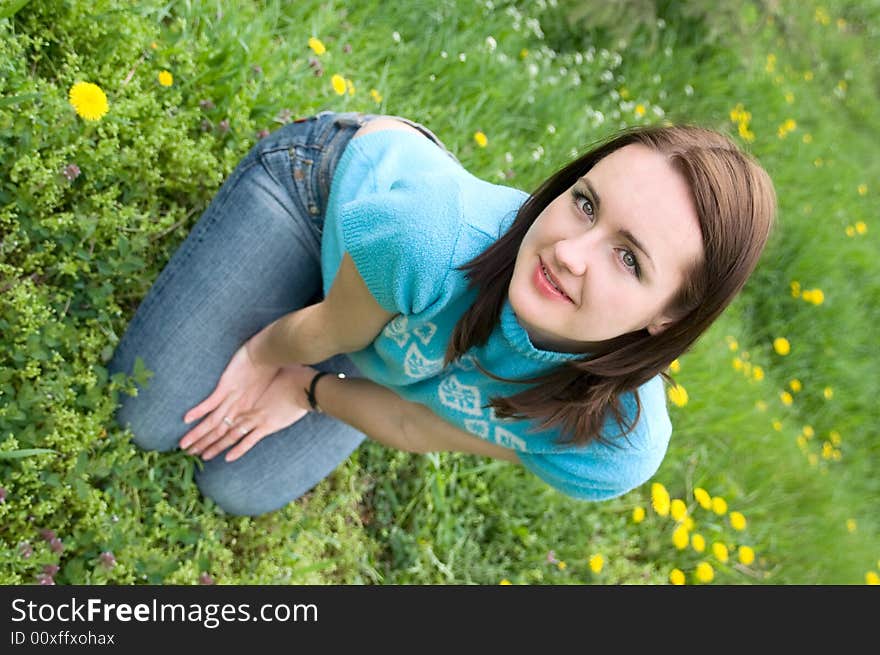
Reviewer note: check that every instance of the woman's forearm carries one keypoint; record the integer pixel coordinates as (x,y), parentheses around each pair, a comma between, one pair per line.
(296,338)
(367,406)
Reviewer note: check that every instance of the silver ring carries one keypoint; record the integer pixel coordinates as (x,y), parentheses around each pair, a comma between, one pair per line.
(227,421)
(243,431)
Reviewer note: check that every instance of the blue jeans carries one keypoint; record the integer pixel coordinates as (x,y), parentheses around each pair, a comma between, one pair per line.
(253,256)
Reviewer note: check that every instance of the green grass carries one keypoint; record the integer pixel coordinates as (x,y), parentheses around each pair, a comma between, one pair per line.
(77,257)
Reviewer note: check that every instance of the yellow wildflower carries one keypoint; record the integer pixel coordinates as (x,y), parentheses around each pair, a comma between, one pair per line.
(677,509)
(746,555)
(523,53)
(808,75)
(640,110)
(828,392)
(795,289)
(481,139)
(781,346)
(638,514)
(561,565)
(807,138)
(338,83)
(737,364)
(504,581)
(761,405)
(795,385)
(771,63)
(166,78)
(702,497)
(834,435)
(596,563)
(153,45)
(680,537)
(817,297)
(698,542)
(675,366)
(871,578)
(850,231)
(676,577)
(851,525)
(719,550)
(808,431)
(789,97)
(350,86)
(89,100)
(758,373)
(659,499)
(786,398)
(863,189)
(376,96)
(777,425)
(737,521)
(732,343)
(316,46)
(678,395)
(705,572)
(719,505)
(827,450)
(861,227)
(688,523)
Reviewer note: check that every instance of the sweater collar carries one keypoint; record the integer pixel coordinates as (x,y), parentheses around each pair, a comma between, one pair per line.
(518,338)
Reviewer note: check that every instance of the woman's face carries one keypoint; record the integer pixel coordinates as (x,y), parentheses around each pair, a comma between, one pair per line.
(609,285)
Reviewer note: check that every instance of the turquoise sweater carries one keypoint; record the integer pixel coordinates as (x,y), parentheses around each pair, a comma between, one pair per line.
(408,214)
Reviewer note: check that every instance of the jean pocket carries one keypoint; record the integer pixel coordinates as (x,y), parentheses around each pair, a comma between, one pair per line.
(304,162)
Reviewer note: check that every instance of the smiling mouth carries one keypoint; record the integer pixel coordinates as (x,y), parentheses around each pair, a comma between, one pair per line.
(548,277)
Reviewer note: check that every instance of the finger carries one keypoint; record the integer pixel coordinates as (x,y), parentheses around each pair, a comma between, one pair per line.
(251,440)
(222,444)
(204,407)
(226,410)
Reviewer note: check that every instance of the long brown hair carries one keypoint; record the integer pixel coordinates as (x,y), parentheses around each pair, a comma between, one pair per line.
(736,206)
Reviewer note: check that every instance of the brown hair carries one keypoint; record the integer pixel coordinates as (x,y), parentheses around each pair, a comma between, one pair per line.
(736,206)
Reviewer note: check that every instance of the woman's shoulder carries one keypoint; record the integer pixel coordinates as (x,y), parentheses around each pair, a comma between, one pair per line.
(384,123)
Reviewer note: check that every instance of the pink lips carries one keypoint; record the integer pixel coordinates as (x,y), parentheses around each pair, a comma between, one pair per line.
(545,287)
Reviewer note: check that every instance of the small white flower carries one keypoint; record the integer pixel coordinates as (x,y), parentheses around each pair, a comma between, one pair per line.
(491,43)
(443,54)
(462,56)
(606,76)
(656,79)
(395,35)
(432,77)
(661,23)
(551,128)
(667,51)
(578,58)
(508,157)
(688,90)
(658,111)
(537,153)
(533,69)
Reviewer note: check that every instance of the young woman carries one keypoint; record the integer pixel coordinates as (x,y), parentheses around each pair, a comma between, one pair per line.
(352,279)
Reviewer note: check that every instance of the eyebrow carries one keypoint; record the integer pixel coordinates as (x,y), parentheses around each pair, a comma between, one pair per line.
(629,236)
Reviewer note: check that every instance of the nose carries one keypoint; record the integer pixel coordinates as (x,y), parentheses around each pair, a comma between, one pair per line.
(572,254)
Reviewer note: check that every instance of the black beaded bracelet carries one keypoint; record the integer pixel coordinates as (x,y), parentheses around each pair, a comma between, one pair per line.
(310,392)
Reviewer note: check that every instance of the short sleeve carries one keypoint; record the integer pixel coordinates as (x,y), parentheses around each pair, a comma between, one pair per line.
(601,471)
(402,240)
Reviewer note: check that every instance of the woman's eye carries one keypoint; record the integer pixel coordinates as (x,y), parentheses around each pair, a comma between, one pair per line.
(583,203)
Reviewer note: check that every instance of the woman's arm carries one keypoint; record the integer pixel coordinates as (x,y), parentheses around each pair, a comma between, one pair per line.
(393,421)
(348,319)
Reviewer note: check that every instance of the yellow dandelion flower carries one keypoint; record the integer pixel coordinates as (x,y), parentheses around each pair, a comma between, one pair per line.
(789,125)
(698,542)
(678,395)
(504,581)
(350,86)
(166,78)
(720,552)
(523,53)
(89,101)
(732,343)
(316,46)
(376,96)
(786,398)
(737,521)
(781,346)
(638,514)
(850,231)
(677,509)
(828,392)
(834,435)
(871,578)
(808,431)
(808,76)
(771,63)
(675,366)
(861,227)
(719,505)
(836,455)
(596,563)
(705,573)
(481,139)
(777,425)
(789,97)
(640,110)
(807,138)
(801,441)
(561,565)
(851,525)
(795,289)
(761,405)
(746,555)
(676,577)
(795,385)
(660,499)
(702,497)
(758,373)
(827,450)
(680,537)
(818,162)
(818,297)
(153,45)
(807,295)
(747,369)
(624,93)
(737,364)
(338,84)
(863,189)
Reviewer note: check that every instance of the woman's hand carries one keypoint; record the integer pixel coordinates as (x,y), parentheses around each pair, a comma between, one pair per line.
(241,384)
(282,404)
